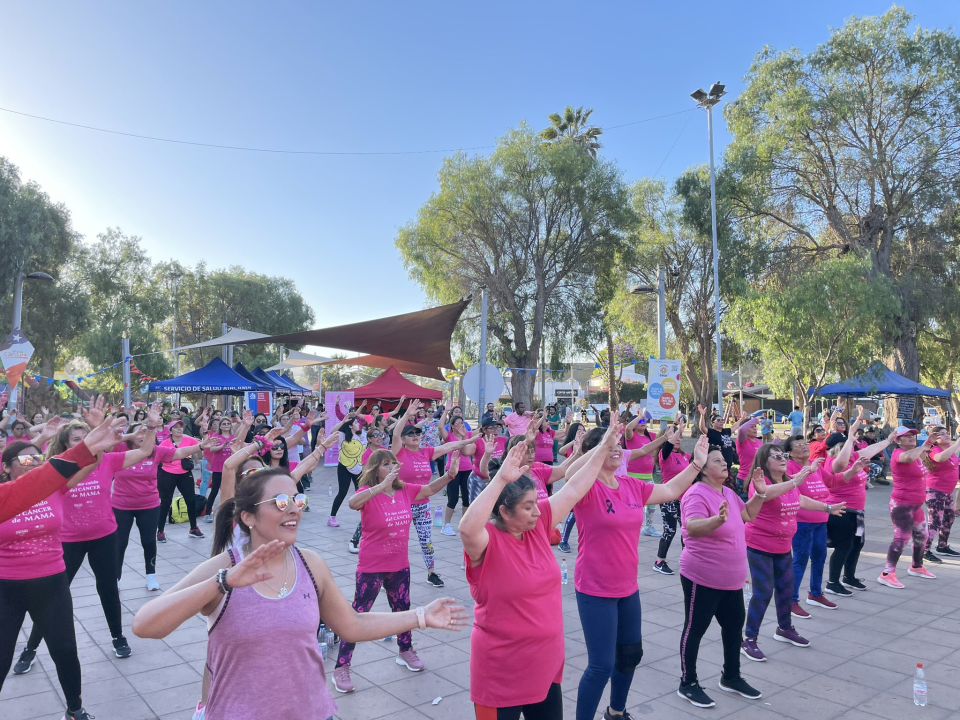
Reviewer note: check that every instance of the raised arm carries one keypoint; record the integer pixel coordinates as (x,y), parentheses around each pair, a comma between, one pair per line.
(944,455)
(367,492)
(744,429)
(580,482)
(843,459)
(397,442)
(703,419)
(441,482)
(878,447)
(684,479)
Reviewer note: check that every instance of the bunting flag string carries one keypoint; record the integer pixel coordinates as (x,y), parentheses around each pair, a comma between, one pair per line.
(596,366)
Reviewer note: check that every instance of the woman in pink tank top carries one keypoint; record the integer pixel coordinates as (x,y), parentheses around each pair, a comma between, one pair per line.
(270,604)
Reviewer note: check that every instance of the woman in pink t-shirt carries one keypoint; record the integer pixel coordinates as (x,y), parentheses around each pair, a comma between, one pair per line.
(375,441)
(609,518)
(460,487)
(543,442)
(217,454)
(672,462)
(491,445)
(516,648)
(769,542)
(385,503)
(713,571)
(748,441)
(274,585)
(906,505)
(173,476)
(941,466)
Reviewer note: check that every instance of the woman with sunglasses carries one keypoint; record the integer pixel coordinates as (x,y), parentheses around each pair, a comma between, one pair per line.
(275,585)
(33,577)
(941,464)
(769,539)
(376,439)
(172,475)
(491,443)
(385,503)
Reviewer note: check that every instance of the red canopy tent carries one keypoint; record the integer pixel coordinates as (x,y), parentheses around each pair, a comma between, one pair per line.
(389,386)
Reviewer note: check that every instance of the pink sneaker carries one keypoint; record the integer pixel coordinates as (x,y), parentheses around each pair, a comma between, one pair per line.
(341,679)
(890,580)
(410,659)
(332,522)
(921,572)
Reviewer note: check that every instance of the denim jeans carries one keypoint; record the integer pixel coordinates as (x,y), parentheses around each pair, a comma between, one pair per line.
(810,543)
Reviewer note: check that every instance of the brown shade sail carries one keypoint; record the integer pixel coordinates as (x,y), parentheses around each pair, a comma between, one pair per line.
(378,361)
(421,337)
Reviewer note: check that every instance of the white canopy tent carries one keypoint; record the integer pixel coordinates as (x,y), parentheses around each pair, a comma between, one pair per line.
(297,359)
(235,336)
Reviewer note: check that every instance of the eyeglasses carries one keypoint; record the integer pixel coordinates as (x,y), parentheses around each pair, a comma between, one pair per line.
(779,455)
(377,435)
(819,430)
(28,460)
(283,501)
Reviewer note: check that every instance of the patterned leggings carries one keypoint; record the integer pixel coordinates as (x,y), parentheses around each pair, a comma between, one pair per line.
(421,521)
(908,522)
(772,576)
(670,512)
(397,585)
(942,514)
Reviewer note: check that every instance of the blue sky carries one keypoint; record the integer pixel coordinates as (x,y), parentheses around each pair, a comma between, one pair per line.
(351,77)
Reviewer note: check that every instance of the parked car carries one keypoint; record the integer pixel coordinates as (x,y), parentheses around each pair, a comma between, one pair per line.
(777,417)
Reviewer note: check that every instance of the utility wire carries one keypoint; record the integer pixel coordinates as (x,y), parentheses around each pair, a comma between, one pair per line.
(287,152)
(674,143)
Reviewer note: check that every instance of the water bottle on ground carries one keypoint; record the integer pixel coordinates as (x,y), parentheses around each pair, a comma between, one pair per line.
(438,517)
(329,490)
(747,591)
(563,572)
(920,687)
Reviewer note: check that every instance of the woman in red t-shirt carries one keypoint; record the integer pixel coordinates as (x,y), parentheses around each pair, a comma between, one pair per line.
(941,464)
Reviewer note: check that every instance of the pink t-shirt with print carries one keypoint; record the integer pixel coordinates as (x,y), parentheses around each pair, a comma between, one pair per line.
(717,560)
(853,493)
(541,475)
(136,487)
(415,468)
(386,530)
(543,444)
(608,527)
(812,487)
(218,458)
(87,509)
(675,463)
(30,545)
(909,484)
(943,477)
(498,450)
(773,529)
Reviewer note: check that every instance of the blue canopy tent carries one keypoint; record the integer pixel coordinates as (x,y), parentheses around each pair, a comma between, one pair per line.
(289,379)
(878,380)
(240,370)
(215,378)
(275,385)
(283,380)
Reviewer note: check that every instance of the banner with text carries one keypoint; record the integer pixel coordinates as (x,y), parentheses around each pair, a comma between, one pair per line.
(663,392)
(337,405)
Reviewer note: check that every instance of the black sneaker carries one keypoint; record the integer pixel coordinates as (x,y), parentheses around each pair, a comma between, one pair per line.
(161,537)
(120,648)
(695,694)
(947,550)
(27,658)
(195,533)
(837,589)
(930,557)
(661,566)
(434,580)
(564,547)
(854,584)
(607,715)
(80,714)
(740,686)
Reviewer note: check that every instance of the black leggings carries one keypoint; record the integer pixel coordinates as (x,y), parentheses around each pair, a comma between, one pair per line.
(459,487)
(48,601)
(166,484)
(102,553)
(701,604)
(214,491)
(670,512)
(847,545)
(550,708)
(344,478)
(147,525)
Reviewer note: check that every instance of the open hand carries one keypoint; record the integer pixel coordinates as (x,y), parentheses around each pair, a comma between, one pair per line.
(759,481)
(513,464)
(104,436)
(838,509)
(723,511)
(95,414)
(444,615)
(250,570)
(49,431)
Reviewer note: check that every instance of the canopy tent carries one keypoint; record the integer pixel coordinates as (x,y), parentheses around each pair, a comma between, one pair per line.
(216,377)
(284,380)
(281,388)
(240,370)
(302,388)
(379,361)
(296,359)
(878,380)
(390,385)
(236,336)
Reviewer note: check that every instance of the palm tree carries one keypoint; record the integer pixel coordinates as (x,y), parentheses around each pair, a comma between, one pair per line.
(573,125)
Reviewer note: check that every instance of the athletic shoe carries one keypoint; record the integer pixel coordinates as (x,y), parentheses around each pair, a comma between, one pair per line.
(80,714)
(740,686)
(820,601)
(341,679)
(121,648)
(798,611)
(198,714)
(607,715)
(930,557)
(882,481)
(869,485)
(695,694)
(890,580)
(649,530)
(447,529)
(410,659)
(161,537)
(208,518)
(948,551)
(564,547)
(750,649)
(854,584)
(837,589)
(152,583)
(353,548)
(791,636)
(434,579)
(332,522)
(661,567)
(195,533)
(27,658)
(921,572)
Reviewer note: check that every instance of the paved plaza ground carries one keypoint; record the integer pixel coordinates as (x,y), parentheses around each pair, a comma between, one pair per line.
(859,665)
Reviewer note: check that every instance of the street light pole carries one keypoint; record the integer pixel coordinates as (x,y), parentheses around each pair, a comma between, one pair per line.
(176,352)
(707,101)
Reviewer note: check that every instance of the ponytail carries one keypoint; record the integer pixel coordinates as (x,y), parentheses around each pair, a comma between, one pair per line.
(223,527)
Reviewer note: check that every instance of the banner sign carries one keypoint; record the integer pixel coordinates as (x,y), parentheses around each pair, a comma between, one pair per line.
(259,401)
(663,392)
(15,353)
(337,405)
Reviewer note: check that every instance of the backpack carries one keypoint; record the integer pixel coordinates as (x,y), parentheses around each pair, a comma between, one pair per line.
(178,510)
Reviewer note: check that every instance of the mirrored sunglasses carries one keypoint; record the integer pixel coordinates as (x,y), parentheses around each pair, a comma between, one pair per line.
(283,501)
(251,471)
(28,460)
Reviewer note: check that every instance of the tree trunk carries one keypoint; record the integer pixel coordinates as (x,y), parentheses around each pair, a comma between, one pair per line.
(522,388)
(614,395)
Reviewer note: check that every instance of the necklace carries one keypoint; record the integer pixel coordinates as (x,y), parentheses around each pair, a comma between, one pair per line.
(283,591)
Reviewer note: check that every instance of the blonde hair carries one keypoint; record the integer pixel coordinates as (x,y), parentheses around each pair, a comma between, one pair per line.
(371,476)
(59,443)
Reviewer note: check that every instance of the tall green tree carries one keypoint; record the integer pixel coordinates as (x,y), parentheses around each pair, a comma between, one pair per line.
(535,222)
(574,125)
(855,148)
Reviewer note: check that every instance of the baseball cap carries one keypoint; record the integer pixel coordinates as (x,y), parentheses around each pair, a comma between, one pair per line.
(904,430)
(835,439)
(410,430)
(489,422)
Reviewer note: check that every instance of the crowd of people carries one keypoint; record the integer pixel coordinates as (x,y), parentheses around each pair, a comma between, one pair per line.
(754,511)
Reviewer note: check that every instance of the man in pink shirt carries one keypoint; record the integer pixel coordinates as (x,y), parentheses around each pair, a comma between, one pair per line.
(517,421)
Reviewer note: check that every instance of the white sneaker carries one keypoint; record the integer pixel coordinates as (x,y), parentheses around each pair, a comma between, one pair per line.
(354,549)
(152,583)
(448,530)
(208,518)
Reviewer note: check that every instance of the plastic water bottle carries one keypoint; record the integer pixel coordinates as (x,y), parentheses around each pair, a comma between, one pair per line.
(563,572)
(438,517)
(329,490)
(920,687)
(331,640)
(747,591)
(322,641)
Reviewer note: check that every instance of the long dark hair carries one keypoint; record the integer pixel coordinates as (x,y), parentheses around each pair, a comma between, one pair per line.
(248,492)
(572,433)
(593,438)
(760,460)
(347,429)
(509,498)
(284,460)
